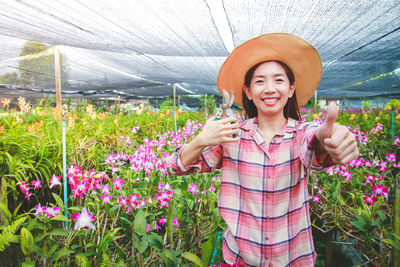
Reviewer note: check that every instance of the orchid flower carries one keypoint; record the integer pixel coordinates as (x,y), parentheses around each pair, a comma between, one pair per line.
(54,181)
(83,220)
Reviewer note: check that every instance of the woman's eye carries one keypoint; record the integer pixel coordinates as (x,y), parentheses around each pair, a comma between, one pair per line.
(259,81)
(279,80)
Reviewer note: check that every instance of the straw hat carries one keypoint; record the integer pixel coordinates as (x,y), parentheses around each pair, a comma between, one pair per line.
(300,56)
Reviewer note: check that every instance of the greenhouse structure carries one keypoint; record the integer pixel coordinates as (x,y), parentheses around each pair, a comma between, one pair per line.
(96,95)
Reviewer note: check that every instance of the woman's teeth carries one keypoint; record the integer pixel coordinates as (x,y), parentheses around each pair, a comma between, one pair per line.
(273,100)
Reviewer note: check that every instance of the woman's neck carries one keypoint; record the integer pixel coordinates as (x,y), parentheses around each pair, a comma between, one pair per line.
(271,125)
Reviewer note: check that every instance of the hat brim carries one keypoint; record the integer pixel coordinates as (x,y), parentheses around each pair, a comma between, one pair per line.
(299,55)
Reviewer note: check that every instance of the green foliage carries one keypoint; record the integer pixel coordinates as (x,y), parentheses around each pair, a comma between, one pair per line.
(30,148)
(8,233)
(393,104)
(208,101)
(9,78)
(82,261)
(36,65)
(193,258)
(366,105)
(167,105)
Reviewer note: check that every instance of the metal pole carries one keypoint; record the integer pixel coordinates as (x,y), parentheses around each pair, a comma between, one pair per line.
(64,151)
(396,219)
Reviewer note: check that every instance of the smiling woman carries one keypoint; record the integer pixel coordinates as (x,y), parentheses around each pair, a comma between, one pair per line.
(265,169)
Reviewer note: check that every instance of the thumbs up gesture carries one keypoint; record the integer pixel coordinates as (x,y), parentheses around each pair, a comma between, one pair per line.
(336,139)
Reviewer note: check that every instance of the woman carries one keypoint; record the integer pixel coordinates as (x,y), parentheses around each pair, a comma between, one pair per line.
(264,195)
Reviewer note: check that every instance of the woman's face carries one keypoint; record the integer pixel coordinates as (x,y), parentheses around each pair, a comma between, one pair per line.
(270,89)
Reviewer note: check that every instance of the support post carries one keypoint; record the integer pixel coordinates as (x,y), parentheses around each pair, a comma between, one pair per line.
(57,75)
(396,219)
(64,151)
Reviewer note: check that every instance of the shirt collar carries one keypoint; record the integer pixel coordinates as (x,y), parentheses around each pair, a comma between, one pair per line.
(252,126)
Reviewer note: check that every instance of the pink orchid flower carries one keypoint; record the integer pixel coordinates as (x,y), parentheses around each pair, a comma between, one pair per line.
(84,220)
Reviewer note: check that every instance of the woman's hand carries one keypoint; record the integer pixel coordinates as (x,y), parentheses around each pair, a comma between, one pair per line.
(336,139)
(216,132)
(213,133)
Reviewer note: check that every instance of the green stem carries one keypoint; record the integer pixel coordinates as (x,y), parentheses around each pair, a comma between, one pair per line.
(66,246)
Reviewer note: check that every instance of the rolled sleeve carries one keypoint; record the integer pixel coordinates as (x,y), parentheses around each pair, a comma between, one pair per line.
(209,160)
(311,158)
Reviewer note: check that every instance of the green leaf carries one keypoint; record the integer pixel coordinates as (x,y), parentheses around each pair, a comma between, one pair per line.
(193,258)
(63,253)
(52,249)
(382,216)
(60,217)
(358,225)
(140,222)
(392,242)
(190,203)
(82,261)
(125,220)
(114,208)
(154,240)
(141,245)
(207,250)
(376,223)
(103,244)
(168,253)
(28,264)
(58,232)
(59,201)
(6,213)
(75,209)
(38,251)
(26,240)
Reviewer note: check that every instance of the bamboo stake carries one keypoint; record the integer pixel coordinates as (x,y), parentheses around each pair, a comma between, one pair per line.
(57,74)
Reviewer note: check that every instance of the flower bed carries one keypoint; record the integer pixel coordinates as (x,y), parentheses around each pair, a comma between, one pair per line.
(125,208)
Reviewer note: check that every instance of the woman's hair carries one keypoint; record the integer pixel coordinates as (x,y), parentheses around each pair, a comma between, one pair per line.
(290,110)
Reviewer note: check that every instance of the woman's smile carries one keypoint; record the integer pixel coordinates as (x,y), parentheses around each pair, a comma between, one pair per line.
(270,101)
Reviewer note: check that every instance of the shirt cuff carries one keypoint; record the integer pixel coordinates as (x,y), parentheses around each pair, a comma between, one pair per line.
(321,158)
(194,167)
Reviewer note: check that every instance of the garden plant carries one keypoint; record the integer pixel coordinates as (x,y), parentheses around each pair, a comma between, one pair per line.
(125,208)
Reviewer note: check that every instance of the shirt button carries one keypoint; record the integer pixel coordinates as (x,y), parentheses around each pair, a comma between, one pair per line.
(266,238)
(268,197)
(266,257)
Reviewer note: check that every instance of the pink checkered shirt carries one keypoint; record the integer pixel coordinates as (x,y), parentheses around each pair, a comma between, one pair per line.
(264,195)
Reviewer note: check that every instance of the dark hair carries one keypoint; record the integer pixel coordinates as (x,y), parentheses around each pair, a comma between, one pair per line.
(291,108)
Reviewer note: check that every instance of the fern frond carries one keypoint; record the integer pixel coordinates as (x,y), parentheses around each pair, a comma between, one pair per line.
(106,260)
(82,261)
(8,233)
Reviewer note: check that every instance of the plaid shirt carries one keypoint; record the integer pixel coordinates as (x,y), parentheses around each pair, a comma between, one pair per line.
(264,195)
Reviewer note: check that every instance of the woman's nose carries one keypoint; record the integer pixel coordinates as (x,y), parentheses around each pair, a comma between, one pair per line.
(269,87)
